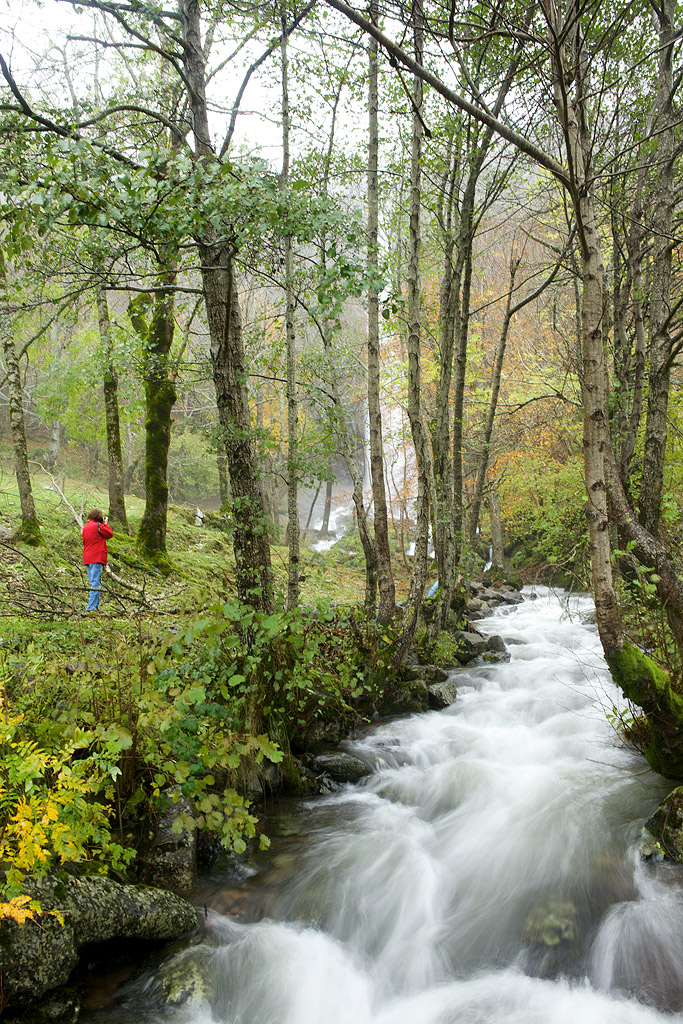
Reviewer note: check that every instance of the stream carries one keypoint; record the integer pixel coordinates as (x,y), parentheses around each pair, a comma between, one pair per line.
(487,872)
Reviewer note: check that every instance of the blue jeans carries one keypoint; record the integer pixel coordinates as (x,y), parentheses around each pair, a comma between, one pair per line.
(94,570)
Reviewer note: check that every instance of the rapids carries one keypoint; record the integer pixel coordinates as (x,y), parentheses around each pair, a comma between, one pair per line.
(486,872)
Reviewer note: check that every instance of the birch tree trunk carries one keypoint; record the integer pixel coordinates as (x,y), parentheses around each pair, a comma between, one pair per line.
(29,531)
(660,299)
(414,341)
(385,579)
(497,544)
(510,312)
(491,412)
(572,111)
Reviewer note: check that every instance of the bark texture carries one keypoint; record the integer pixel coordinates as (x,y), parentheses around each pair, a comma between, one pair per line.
(660,299)
(254,580)
(116,476)
(293,527)
(417,427)
(154,323)
(29,531)
(387,590)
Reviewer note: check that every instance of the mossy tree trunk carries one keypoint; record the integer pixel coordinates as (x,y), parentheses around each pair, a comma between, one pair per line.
(153,319)
(253,571)
(117,501)
(29,531)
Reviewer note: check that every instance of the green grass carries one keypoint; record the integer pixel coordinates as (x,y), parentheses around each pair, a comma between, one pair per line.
(43,591)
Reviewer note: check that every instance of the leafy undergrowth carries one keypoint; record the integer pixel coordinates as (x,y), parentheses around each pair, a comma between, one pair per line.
(175,690)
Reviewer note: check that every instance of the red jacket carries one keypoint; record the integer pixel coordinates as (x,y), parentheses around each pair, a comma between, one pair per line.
(95,536)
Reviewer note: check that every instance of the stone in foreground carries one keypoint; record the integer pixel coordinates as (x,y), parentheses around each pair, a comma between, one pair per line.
(41,954)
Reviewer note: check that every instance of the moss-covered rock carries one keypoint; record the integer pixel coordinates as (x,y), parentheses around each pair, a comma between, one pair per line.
(551,924)
(442,695)
(649,686)
(41,954)
(341,766)
(403,696)
(663,832)
(186,978)
(329,723)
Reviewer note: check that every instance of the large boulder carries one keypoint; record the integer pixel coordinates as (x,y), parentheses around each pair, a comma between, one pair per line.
(341,766)
(404,696)
(41,954)
(511,597)
(470,645)
(442,695)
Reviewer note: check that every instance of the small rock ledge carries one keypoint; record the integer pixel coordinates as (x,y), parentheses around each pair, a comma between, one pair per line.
(41,954)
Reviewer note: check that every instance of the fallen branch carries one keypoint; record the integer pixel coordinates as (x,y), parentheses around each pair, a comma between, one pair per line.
(60,492)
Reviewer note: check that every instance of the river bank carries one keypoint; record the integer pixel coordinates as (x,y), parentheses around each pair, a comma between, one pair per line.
(170,855)
(487,869)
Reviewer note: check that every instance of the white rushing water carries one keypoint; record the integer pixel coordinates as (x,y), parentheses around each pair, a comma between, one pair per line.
(486,873)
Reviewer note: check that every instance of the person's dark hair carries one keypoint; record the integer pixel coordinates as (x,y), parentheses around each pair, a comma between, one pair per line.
(96,514)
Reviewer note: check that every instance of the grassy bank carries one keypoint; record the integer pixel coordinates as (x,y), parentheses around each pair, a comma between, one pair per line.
(173,689)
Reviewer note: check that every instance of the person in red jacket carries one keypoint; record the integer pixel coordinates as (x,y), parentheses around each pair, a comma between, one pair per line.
(96,533)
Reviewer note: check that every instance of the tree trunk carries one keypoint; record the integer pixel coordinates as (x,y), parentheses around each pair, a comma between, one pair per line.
(117,503)
(325,526)
(387,591)
(254,578)
(660,299)
(461,338)
(29,531)
(293,527)
(223,483)
(493,405)
(573,115)
(444,546)
(160,397)
(419,434)
(497,545)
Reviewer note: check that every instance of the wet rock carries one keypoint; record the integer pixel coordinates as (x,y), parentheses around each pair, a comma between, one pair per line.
(261,780)
(331,724)
(511,597)
(170,858)
(496,650)
(497,644)
(663,832)
(340,766)
(61,1007)
(404,696)
(186,978)
(41,954)
(471,645)
(552,933)
(552,924)
(442,695)
(475,604)
(494,658)
(434,674)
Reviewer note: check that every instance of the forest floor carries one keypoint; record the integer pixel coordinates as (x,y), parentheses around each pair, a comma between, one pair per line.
(44,590)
